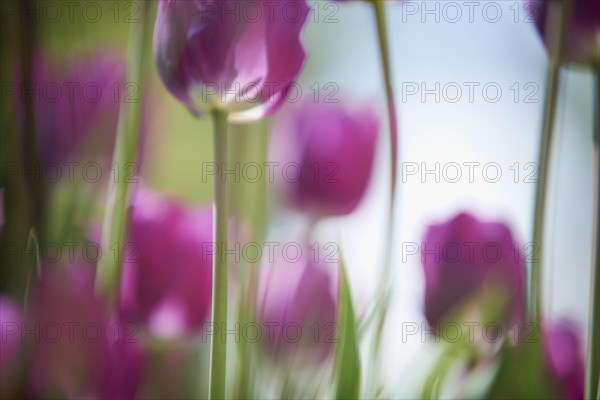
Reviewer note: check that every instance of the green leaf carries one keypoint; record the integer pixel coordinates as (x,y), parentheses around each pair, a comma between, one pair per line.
(347,353)
(522,374)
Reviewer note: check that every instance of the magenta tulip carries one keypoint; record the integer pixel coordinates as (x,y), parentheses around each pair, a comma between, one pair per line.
(76,106)
(232,55)
(583,34)
(167,275)
(564,359)
(77,350)
(325,154)
(128,359)
(465,259)
(298,308)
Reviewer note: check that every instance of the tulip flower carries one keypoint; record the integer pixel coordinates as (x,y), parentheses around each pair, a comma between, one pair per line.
(10,326)
(229,56)
(167,272)
(77,350)
(326,153)
(465,259)
(128,359)
(583,34)
(563,355)
(297,302)
(76,107)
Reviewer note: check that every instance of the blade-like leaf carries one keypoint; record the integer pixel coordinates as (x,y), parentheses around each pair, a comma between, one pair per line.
(347,352)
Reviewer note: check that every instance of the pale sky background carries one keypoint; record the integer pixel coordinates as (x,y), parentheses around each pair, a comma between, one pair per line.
(502,53)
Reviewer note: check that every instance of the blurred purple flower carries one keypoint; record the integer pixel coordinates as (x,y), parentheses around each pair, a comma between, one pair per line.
(298,301)
(463,259)
(77,351)
(76,107)
(224,54)
(564,359)
(167,275)
(583,36)
(333,149)
(10,324)
(128,359)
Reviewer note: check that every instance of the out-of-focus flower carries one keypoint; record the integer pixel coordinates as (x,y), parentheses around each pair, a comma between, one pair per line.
(228,55)
(583,35)
(465,260)
(167,272)
(10,327)
(564,358)
(128,359)
(76,106)
(76,349)
(297,302)
(331,149)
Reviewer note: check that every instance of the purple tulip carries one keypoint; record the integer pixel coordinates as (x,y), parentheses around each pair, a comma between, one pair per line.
(77,351)
(76,107)
(10,347)
(233,55)
(298,308)
(167,275)
(564,359)
(465,259)
(128,359)
(583,35)
(326,155)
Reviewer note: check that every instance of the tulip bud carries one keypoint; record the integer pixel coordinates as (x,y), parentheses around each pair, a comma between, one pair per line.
(326,154)
(226,55)
(583,34)
(298,308)
(167,272)
(564,360)
(464,260)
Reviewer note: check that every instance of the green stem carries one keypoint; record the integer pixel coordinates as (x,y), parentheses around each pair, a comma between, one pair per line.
(556,49)
(115,222)
(593,360)
(34,268)
(447,359)
(384,284)
(218,356)
(238,148)
(433,382)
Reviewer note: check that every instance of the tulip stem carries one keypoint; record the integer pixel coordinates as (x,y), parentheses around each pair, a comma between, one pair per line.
(556,46)
(218,354)
(593,360)
(384,284)
(116,218)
